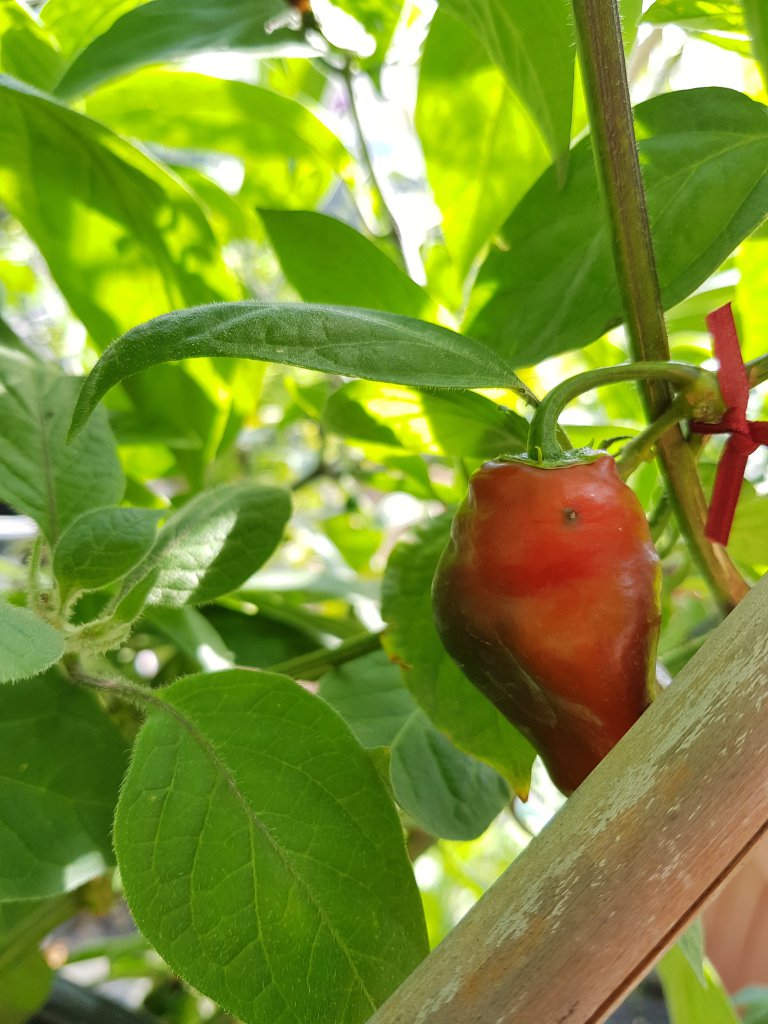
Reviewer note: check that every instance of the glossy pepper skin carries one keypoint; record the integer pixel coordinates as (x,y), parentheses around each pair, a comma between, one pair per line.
(547,596)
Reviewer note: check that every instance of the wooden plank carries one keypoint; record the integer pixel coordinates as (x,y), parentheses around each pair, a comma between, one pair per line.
(597,897)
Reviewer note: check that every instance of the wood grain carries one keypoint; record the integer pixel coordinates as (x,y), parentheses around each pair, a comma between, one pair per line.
(629,861)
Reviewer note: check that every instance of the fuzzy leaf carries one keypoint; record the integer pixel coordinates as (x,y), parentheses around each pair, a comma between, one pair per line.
(262,856)
(102,546)
(336,339)
(214,543)
(28,645)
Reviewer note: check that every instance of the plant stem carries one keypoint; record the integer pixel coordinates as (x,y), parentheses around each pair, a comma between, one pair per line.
(757,371)
(33,572)
(659,517)
(601,51)
(543,444)
(315,663)
(140,696)
(640,448)
(348,78)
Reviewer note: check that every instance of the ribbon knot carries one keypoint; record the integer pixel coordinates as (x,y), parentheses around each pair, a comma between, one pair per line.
(745,437)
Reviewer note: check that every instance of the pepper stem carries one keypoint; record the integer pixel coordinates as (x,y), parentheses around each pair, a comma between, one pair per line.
(639,449)
(700,386)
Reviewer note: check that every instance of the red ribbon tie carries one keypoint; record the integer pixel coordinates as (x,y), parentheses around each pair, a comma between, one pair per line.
(745,437)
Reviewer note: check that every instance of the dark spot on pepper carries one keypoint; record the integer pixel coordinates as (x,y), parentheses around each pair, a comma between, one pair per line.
(570,515)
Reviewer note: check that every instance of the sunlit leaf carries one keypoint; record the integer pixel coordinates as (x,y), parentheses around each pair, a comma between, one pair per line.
(378,18)
(122,238)
(712,15)
(533,45)
(328,261)
(27,51)
(477,176)
(164,30)
(459,423)
(553,286)
(184,110)
(76,23)
(687,999)
(756,13)
(750,305)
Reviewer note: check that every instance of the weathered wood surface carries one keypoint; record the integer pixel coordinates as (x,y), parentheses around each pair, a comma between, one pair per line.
(630,860)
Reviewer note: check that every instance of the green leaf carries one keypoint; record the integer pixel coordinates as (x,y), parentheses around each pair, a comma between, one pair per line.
(699,15)
(748,542)
(631,13)
(752,1004)
(469,171)
(39,473)
(27,51)
(123,239)
(164,30)
(25,977)
(214,543)
(102,546)
(10,339)
(134,597)
(183,110)
(261,855)
(258,640)
(446,792)
(28,645)
(75,23)
(334,339)
(756,13)
(61,761)
(457,423)
(533,45)
(687,999)
(25,984)
(442,690)
(193,634)
(378,18)
(357,536)
(328,261)
(553,287)
(691,945)
(751,309)
(370,696)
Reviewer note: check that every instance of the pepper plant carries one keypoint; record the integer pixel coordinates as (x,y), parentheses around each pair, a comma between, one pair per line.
(234,365)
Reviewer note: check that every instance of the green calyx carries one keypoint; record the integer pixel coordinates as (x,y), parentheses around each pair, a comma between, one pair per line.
(566,459)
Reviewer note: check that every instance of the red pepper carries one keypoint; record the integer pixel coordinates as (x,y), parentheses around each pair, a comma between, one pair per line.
(547,597)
